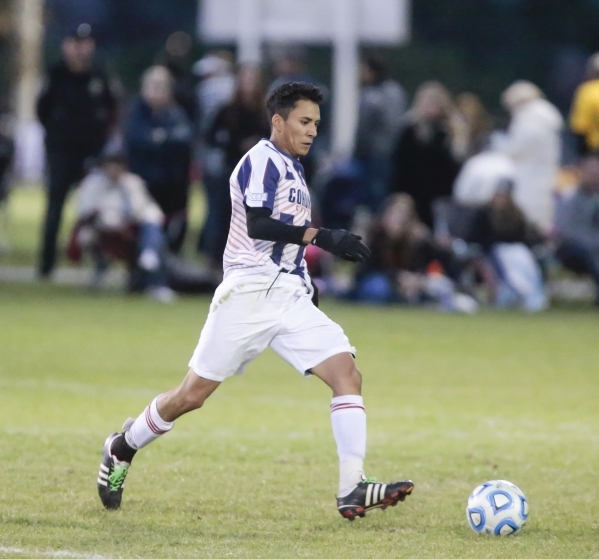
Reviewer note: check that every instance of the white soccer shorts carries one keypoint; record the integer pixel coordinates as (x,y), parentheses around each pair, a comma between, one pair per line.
(246,317)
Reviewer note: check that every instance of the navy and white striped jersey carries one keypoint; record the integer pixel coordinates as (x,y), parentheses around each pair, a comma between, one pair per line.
(266,177)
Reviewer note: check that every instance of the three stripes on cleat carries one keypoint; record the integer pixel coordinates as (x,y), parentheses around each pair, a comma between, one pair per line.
(103,475)
(375,493)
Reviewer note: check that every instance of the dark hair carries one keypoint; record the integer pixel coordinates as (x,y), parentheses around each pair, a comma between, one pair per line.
(377,68)
(283,99)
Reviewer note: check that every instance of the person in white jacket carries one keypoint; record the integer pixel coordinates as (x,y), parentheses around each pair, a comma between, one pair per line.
(113,203)
(533,142)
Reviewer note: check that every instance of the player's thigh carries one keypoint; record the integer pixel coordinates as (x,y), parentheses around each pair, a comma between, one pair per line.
(309,337)
(237,330)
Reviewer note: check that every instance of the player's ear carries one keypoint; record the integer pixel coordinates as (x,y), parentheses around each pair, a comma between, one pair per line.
(278,122)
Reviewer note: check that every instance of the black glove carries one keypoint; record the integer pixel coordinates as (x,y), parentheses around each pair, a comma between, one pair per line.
(341,243)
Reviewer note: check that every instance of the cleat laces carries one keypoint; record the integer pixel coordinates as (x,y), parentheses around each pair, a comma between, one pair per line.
(117,478)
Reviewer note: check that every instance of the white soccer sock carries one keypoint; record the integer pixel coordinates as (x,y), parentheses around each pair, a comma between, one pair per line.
(147,427)
(349,428)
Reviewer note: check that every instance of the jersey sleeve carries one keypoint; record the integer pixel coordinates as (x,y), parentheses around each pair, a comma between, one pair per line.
(258,178)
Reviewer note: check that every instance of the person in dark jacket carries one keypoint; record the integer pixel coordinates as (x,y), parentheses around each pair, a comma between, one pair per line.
(237,127)
(382,106)
(158,137)
(429,149)
(77,108)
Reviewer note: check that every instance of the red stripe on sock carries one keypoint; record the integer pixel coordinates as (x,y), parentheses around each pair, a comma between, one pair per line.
(153,427)
(339,407)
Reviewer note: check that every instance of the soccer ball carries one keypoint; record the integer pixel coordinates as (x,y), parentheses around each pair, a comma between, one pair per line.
(497,507)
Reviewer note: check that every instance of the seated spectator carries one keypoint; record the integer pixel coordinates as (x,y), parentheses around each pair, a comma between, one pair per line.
(158,138)
(118,218)
(505,235)
(406,264)
(577,224)
(480,177)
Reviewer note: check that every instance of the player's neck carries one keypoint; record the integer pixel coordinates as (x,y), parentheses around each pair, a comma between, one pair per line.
(281,146)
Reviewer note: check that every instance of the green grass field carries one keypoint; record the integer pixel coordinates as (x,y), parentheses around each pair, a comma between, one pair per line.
(451,400)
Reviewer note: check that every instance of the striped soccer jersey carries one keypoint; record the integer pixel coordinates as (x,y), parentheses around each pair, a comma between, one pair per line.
(266,177)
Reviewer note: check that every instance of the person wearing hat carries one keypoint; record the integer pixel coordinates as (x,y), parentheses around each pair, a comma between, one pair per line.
(76,108)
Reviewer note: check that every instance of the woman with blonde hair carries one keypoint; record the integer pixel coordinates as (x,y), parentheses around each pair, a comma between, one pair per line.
(430,149)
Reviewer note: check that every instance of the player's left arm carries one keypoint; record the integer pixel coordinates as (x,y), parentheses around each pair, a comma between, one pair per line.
(339,242)
(262,226)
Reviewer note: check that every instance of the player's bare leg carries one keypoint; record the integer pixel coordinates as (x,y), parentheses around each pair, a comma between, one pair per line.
(156,420)
(357,494)
(188,396)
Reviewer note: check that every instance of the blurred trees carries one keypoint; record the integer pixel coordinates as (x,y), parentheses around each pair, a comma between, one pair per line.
(477,45)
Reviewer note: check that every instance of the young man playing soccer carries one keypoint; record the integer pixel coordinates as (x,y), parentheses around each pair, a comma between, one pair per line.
(265,300)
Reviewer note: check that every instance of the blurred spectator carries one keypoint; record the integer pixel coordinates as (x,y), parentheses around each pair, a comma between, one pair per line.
(290,65)
(76,107)
(577,223)
(118,217)
(237,127)
(480,177)
(6,157)
(175,57)
(429,150)
(533,141)
(406,264)
(215,90)
(382,105)
(477,119)
(584,114)
(505,235)
(216,87)
(158,137)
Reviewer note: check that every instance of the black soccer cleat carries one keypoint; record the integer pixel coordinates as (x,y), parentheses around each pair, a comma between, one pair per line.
(112,474)
(368,495)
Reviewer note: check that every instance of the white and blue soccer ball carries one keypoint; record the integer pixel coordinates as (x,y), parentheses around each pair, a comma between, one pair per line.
(498,508)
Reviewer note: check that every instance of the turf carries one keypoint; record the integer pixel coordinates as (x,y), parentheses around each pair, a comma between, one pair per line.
(451,400)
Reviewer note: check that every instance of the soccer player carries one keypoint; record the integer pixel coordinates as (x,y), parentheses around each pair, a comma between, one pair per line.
(265,300)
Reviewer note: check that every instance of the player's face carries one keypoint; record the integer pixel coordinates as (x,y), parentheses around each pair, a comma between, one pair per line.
(300,128)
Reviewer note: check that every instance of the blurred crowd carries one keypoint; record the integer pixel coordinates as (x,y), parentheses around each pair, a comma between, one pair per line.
(460,208)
